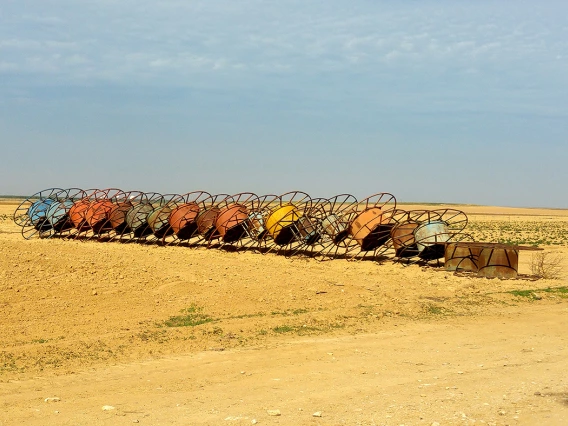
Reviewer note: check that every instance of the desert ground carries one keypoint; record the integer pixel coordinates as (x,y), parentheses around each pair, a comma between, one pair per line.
(100,333)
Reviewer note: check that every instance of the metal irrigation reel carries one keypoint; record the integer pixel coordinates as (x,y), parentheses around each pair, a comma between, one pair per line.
(31,214)
(370,222)
(121,205)
(137,226)
(207,218)
(402,233)
(78,213)
(182,217)
(282,222)
(259,209)
(58,212)
(421,235)
(101,205)
(309,229)
(333,218)
(158,218)
(232,222)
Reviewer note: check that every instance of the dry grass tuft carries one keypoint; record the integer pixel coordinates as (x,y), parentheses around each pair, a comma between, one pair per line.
(547,265)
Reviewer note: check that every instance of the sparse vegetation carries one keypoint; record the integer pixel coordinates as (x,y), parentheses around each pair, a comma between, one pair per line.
(190,317)
(547,265)
(434,310)
(534,293)
(553,231)
(289,312)
(283,329)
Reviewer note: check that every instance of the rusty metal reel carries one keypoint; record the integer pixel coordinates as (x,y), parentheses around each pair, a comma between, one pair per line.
(97,216)
(336,216)
(371,220)
(206,219)
(183,217)
(31,214)
(137,216)
(282,221)
(436,228)
(232,221)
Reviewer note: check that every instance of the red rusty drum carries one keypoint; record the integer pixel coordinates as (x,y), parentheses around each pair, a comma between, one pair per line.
(183,220)
(231,222)
(78,212)
(98,215)
(117,215)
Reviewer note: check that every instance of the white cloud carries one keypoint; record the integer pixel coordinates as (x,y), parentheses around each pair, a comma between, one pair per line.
(179,43)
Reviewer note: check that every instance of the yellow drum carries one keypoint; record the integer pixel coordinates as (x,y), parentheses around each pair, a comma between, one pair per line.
(282,218)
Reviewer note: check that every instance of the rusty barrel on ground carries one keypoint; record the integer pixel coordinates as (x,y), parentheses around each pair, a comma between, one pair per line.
(78,214)
(281,224)
(336,228)
(206,222)
(499,261)
(98,215)
(403,239)
(461,257)
(371,228)
(231,222)
(183,220)
(430,238)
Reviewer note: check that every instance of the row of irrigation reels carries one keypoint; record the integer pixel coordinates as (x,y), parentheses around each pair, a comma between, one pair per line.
(289,224)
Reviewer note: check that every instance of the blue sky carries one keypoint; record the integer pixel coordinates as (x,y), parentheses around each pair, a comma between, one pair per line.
(440,101)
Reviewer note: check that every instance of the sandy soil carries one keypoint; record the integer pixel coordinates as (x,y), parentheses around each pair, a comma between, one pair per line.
(360,343)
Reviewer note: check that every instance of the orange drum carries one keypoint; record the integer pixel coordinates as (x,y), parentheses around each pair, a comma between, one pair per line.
(78,212)
(183,220)
(371,229)
(98,215)
(231,222)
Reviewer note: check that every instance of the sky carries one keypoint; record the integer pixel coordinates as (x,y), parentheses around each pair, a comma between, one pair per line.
(434,101)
